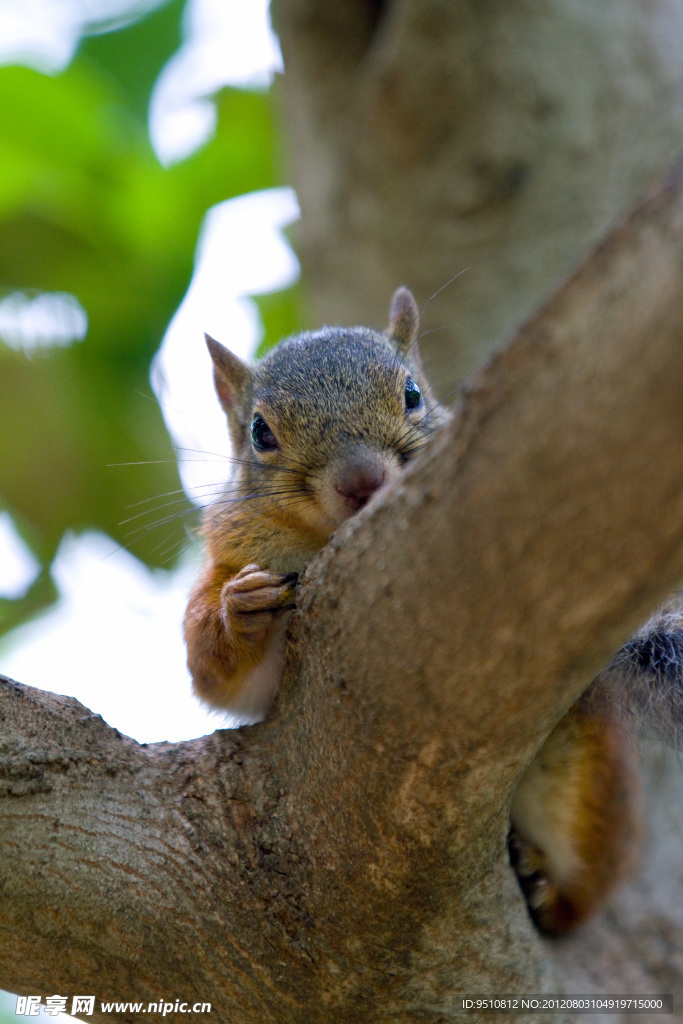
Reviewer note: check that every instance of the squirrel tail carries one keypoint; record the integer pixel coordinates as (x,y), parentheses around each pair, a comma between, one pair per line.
(576,814)
(643,683)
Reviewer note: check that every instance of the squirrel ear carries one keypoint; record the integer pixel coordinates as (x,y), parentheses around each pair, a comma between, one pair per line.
(404,319)
(231,376)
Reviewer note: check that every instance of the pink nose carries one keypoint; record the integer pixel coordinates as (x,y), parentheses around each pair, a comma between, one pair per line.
(358,482)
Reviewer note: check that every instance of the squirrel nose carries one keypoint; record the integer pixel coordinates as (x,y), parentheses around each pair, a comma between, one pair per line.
(358,481)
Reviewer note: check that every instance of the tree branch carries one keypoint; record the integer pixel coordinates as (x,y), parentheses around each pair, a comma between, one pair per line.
(348,856)
(427,137)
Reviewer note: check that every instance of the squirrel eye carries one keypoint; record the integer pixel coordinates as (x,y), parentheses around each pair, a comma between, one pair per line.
(262,436)
(413,394)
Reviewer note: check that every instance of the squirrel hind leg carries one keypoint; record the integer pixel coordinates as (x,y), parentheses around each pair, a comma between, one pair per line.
(576,820)
(553,911)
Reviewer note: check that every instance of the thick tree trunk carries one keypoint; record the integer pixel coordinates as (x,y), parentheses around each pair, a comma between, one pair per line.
(429,137)
(346,859)
(432,137)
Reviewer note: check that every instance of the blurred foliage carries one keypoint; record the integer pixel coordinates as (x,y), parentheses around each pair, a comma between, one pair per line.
(86,209)
(8,1003)
(281,315)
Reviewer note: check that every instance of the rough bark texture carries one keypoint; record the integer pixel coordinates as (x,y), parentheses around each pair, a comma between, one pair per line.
(428,137)
(431,136)
(346,860)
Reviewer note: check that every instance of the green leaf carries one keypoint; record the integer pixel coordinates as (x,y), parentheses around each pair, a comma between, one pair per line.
(86,208)
(134,55)
(40,595)
(7,1016)
(281,316)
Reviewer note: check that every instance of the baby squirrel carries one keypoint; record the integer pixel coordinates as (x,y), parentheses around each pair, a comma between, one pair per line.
(325,421)
(322,423)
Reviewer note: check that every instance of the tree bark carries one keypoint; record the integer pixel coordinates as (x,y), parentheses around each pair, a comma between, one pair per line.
(346,859)
(432,137)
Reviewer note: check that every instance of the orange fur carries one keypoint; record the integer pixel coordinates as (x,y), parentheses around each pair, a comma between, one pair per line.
(575,820)
(318,427)
(228,627)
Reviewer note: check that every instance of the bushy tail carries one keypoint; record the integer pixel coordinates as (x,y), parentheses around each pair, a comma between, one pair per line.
(643,683)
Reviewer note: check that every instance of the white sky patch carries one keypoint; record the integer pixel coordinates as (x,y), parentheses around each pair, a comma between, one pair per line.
(18,567)
(30,320)
(8,1005)
(38,33)
(114,641)
(44,34)
(241,251)
(228,42)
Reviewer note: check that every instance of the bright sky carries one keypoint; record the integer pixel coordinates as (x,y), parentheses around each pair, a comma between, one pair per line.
(110,603)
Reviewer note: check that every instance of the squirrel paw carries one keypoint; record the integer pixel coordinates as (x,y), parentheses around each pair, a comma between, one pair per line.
(252,599)
(531,867)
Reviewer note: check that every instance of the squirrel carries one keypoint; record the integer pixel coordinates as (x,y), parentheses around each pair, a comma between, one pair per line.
(576,813)
(323,423)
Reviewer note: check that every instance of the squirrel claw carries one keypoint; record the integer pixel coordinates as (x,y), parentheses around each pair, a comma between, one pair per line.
(253,598)
(531,869)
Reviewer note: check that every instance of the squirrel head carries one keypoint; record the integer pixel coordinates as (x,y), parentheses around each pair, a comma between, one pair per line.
(327,418)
